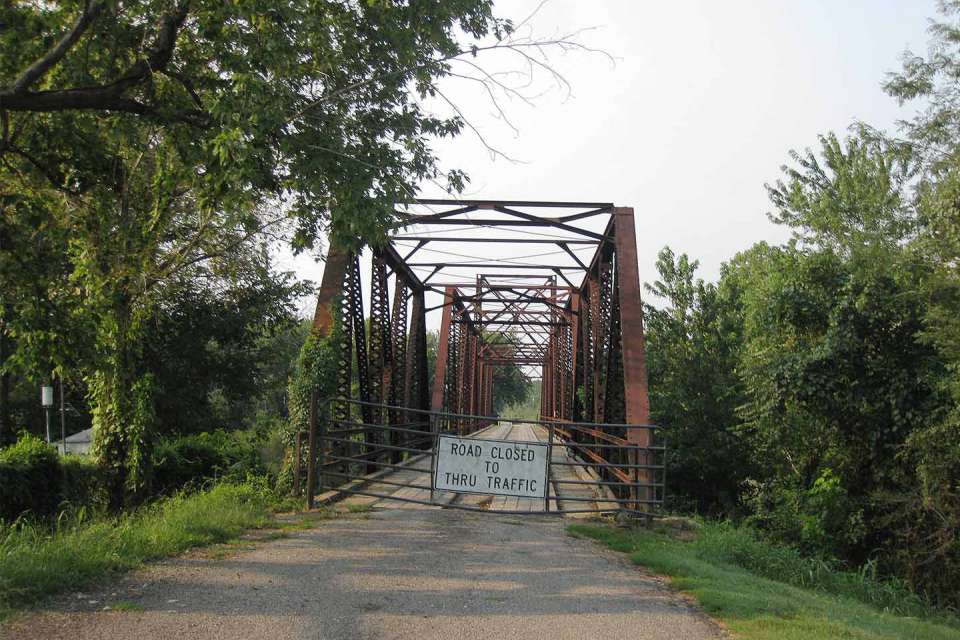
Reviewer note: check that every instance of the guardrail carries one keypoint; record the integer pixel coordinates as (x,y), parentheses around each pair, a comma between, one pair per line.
(377,450)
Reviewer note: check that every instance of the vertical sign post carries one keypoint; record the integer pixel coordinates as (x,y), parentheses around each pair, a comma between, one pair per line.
(46,401)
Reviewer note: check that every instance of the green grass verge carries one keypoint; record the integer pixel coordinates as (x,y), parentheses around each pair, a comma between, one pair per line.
(36,562)
(359,508)
(731,573)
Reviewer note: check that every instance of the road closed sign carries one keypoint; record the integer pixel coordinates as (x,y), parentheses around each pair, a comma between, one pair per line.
(496,467)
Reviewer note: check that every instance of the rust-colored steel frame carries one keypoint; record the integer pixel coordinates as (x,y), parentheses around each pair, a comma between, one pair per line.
(587,338)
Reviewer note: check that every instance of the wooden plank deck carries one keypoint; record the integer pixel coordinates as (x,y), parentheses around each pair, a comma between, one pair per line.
(560,494)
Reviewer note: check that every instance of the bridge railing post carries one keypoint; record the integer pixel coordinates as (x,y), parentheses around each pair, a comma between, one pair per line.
(546,489)
(435,433)
(297,464)
(312,448)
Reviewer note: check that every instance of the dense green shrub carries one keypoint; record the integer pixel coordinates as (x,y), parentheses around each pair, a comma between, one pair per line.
(83,486)
(315,372)
(195,458)
(30,478)
(924,518)
(821,520)
(35,481)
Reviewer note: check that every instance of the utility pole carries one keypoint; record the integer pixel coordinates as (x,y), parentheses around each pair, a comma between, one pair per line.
(63,422)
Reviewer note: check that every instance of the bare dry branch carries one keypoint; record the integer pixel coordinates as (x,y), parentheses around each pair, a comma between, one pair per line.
(565,42)
(494,152)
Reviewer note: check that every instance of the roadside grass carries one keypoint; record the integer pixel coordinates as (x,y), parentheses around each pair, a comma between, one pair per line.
(297,525)
(37,561)
(760,591)
(359,508)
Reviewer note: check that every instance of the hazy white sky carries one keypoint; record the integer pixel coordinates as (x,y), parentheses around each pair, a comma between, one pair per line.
(701,108)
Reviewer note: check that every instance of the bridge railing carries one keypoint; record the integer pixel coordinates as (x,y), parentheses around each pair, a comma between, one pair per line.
(389,452)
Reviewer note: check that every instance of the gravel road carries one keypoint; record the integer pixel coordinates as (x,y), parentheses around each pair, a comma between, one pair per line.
(393,574)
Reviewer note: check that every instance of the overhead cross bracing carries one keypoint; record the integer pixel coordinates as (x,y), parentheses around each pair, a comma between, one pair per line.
(551,287)
(512,265)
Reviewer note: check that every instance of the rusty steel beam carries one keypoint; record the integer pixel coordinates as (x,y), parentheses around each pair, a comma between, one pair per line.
(514,203)
(331,286)
(442,214)
(525,287)
(548,222)
(494,265)
(491,240)
(585,339)
(399,265)
(440,370)
(514,323)
(631,313)
(586,214)
(563,245)
(491,222)
(633,345)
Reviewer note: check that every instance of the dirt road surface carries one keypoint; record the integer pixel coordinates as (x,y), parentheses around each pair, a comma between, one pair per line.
(392,574)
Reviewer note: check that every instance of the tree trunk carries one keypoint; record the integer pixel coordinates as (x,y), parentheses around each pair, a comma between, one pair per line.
(6,428)
(122,399)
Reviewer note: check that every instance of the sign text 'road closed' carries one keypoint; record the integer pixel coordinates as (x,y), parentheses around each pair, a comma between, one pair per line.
(498,467)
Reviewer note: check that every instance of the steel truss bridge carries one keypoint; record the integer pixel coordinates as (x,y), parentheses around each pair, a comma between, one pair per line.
(551,287)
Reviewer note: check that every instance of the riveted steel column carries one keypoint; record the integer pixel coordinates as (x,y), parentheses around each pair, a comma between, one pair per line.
(637,402)
(380,345)
(574,351)
(415,393)
(443,344)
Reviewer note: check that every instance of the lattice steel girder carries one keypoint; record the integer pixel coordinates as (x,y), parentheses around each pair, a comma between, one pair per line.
(587,337)
(380,352)
(440,373)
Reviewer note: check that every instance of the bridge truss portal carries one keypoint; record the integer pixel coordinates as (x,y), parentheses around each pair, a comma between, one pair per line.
(569,313)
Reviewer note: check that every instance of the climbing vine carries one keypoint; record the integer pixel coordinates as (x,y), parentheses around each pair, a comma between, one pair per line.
(316,370)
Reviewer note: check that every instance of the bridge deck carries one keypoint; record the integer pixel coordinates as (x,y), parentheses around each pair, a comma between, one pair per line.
(560,493)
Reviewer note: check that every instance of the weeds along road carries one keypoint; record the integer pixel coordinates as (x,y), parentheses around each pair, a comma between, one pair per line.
(400,573)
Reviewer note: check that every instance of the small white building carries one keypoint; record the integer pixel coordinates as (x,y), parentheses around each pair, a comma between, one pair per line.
(79,443)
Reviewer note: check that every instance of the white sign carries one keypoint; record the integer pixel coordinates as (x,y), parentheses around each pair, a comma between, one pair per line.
(497,467)
(46,397)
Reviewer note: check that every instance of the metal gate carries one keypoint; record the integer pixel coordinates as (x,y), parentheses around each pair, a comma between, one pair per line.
(390,453)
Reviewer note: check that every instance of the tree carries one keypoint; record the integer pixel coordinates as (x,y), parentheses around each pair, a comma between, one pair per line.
(510,387)
(925,517)
(159,133)
(836,376)
(510,384)
(340,129)
(849,198)
(38,333)
(222,344)
(933,132)
(693,344)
